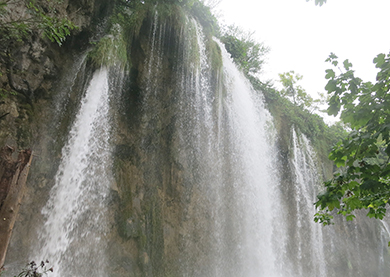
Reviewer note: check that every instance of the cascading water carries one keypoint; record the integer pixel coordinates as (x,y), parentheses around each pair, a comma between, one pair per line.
(227,161)
(308,245)
(252,184)
(73,236)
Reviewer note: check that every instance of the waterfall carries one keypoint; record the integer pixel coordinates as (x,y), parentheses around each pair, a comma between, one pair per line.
(187,178)
(253,184)
(73,236)
(228,161)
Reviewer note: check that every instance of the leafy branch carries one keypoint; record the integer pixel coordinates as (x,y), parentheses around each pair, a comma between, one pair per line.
(245,51)
(34,270)
(40,19)
(297,93)
(362,181)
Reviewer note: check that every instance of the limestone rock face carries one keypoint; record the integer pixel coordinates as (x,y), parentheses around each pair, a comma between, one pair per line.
(30,75)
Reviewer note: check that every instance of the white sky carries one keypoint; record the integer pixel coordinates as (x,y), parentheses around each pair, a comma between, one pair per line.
(302,35)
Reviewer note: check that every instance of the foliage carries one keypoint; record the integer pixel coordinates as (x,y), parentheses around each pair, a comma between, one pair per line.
(40,17)
(318,2)
(312,125)
(245,51)
(130,16)
(363,178)
(111,49)
(205,17)
(34,270)
(298,94)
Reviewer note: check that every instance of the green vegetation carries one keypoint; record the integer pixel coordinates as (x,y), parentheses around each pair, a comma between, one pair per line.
(288,114)
(362,180)
(111,49)
(318,2)
(363,158)
(298,94)
(40,19)
(128,17)
(245,51)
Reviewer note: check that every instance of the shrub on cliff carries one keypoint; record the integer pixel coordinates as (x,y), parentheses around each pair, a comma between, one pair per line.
(22,20)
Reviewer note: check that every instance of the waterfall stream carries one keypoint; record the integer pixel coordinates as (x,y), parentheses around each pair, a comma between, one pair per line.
(309,238)
(253,186)
(206,184)
(73,236)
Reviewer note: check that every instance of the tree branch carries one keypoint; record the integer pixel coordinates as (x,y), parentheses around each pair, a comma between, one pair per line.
(4,115)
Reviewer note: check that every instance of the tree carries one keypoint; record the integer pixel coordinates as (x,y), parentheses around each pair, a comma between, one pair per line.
(298,94)
(363,158)
(245,51)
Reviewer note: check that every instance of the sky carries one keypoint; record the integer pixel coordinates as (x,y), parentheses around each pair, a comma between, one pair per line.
(301,35)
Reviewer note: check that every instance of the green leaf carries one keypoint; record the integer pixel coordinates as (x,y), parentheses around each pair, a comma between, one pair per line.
(347,64)
(350,217)
(332,56)
(329,74)
(379,60)
(331,86)
(352,185)
(353,203)
(334,106)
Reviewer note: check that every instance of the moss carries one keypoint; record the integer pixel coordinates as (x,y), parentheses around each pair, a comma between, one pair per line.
(215,54)
(205,17)
(110,50)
